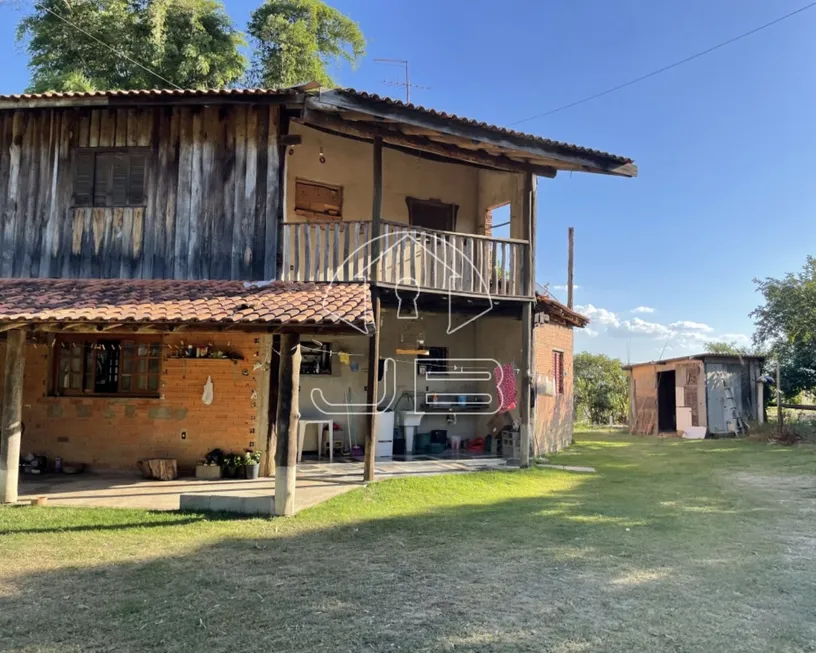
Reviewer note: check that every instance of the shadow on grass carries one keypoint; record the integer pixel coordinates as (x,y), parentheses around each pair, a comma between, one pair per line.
(127,519)
(595,565)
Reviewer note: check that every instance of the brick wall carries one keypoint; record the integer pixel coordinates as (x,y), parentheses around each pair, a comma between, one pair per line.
(113,433)
(554,414)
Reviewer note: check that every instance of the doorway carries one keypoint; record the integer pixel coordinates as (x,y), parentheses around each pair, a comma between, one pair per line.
(666,408)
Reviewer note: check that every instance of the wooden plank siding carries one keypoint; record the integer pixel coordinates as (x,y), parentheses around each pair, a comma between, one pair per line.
(211,193)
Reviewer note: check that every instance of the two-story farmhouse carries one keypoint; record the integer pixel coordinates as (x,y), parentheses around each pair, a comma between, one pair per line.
(188,270)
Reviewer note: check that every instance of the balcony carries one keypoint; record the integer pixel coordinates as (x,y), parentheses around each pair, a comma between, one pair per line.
(409,257)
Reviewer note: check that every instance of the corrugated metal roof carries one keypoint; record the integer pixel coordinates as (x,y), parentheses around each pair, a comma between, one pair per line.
(483,125)
(696,357)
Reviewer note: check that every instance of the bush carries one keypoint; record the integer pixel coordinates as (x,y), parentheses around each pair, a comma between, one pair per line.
(601,389)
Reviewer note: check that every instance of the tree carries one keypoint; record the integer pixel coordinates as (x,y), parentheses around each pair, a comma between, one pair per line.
(295,41)
(187,43)
(601,389)
(726,348)
(786,326)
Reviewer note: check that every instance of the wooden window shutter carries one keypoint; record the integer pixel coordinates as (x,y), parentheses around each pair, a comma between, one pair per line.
(318,201)
(83,178)
(103,179)
(138,174)
(120,175)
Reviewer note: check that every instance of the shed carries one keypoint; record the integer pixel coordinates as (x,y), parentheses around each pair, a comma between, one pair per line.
(713,392)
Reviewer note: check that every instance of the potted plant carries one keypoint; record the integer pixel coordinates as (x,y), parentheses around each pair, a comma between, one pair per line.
(252,464)
(208,469)
(232,463)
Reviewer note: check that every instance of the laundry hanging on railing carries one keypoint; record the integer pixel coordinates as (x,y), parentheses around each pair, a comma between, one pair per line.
(505,376)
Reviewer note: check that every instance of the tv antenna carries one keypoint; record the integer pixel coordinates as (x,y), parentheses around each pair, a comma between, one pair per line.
(407,85)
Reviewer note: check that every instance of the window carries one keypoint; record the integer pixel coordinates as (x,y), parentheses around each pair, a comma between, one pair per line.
(437,360)
(107,366)
(318,201)
(558,371)
(431,214)
(105,177)
(316,358)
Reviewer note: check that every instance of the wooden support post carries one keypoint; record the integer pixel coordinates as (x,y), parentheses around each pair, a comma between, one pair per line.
(376,210)
(760,402)
(12,409)
(372,388)
(374,340)
(268,408)
(277,242)
(288,416)
(570,265)
(525,413)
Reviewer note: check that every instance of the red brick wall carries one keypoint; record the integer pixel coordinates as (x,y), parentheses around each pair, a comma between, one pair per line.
(554,417)
(115,432)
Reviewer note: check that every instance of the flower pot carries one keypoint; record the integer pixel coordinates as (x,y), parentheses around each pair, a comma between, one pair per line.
(208,471)
(229,471)
(252,471)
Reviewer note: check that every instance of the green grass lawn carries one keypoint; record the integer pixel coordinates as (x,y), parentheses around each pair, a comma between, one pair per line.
(672,546)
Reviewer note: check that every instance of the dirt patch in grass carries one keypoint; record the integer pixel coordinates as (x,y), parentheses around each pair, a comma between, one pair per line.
(670,546)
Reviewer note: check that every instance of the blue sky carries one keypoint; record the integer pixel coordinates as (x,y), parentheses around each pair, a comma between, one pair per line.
(726,144)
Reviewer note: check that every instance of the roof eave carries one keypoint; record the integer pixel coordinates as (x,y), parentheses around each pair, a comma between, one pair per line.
(561,156)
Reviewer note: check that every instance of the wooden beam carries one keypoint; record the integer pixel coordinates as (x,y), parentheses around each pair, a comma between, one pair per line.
(275,236)
(318,118)
(288,416)
(12,418)
(376,208)
(270,435)
(373,387)
(339,100)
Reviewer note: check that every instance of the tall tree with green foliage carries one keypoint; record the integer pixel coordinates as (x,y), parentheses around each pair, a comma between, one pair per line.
(786,325)
(296,41)
(156,44)
(601,389)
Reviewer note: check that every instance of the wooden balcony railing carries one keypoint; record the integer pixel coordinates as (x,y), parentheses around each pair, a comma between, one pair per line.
(408,257)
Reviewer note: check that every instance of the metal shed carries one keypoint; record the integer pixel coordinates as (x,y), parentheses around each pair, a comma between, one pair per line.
(705,393)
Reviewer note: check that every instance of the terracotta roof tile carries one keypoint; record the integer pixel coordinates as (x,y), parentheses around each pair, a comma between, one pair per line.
(232,302)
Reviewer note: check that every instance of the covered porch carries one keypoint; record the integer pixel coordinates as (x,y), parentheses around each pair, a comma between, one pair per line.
(101,374)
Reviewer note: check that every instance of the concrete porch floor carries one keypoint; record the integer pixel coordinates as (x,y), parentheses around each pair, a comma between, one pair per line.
(316,482)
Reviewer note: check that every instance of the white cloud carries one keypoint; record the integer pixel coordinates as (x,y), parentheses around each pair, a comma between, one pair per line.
(639,328)
(564,287)
(599,315)
(688,325)
(684,336)
(739,339)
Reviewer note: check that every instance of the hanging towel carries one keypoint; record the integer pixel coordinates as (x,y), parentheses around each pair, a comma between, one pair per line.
(505,377)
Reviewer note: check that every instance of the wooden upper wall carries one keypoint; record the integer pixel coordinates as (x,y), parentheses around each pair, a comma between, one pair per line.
(211,201)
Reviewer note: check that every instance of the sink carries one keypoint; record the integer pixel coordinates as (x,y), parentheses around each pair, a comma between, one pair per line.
(410,418)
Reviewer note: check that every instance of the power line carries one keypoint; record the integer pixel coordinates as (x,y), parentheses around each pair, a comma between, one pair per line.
(109,47)
(665,68)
